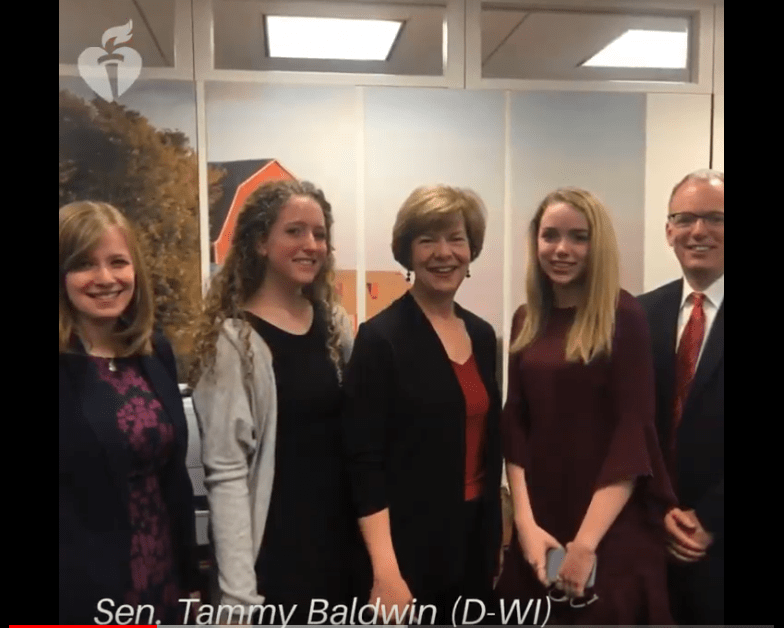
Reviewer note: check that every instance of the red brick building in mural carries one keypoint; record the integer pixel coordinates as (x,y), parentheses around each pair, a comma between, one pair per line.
(242,177)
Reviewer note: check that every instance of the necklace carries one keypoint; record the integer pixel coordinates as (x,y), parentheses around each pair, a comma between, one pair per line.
(88,348)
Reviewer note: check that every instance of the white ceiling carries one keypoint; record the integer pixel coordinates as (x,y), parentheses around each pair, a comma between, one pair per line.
(82,22)
(543,44)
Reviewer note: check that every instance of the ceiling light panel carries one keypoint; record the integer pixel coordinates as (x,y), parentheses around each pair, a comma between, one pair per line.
(644,49)
(330,38)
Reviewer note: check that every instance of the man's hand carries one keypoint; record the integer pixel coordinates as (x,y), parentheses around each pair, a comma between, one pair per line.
(687,540)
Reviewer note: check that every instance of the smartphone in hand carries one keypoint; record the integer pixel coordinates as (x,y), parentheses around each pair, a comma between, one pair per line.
(555,558)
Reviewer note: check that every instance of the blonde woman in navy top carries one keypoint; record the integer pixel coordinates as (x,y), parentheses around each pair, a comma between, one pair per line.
(127,532)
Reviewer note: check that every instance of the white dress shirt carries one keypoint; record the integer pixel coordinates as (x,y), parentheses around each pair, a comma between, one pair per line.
(714,297)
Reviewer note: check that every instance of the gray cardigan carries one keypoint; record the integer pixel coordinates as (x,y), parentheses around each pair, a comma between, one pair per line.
(238,427)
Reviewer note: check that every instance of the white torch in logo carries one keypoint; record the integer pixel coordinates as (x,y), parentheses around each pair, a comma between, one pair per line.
(111,70)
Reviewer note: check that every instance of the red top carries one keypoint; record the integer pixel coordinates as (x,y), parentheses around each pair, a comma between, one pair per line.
(477,407)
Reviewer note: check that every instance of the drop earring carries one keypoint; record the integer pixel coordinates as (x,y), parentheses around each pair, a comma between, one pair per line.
(408,276)
(468,272)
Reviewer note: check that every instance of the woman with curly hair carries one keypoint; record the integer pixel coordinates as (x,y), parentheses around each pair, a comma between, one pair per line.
(270,349)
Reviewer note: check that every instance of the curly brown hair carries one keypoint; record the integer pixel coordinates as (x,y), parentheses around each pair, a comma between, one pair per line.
(243,272)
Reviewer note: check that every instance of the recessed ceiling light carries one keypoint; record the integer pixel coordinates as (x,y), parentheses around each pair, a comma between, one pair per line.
(330,38)
(643,49)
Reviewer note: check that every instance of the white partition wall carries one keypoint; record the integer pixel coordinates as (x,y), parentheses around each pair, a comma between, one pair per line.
(718,99)
(595,141)
(309,130)
(678,141)
(718,132)
(417,137)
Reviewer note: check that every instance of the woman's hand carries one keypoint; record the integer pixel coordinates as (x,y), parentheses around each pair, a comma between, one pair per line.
(575,569)
(393,591)
(535,543)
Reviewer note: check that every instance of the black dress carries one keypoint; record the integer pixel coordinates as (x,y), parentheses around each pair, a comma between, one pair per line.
(311,536)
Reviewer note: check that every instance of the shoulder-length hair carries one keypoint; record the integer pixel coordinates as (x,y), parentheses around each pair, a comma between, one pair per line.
(82,225)
(244,269)
(592,332)
(435,207)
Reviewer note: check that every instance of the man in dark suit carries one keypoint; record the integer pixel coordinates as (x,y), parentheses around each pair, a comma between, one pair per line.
(686,318)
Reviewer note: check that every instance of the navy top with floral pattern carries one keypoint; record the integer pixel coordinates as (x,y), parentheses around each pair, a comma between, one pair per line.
(146,435)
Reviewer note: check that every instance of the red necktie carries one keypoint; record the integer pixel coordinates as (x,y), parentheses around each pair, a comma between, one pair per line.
(686,361)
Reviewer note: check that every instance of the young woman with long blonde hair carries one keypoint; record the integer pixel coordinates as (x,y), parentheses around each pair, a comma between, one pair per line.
(584,466)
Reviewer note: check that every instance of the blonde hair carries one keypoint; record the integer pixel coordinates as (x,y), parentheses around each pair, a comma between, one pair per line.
(82,226)
(592,332)
(243,273)
(436,207)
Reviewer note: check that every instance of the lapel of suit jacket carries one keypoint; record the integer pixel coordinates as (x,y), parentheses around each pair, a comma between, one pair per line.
(165,387)
(664,335)
(711,356)
(102,423)
(104,426)
(431,352)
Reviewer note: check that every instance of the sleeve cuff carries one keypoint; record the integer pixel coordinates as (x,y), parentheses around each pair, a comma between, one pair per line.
(369,492)
(711,518)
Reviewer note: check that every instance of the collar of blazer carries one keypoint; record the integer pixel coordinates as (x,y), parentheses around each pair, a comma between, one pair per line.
(94,412)
(482,348)
(416,313)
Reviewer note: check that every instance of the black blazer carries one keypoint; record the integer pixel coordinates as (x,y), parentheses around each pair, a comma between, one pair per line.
(405,437)
(95,535)
(700,438)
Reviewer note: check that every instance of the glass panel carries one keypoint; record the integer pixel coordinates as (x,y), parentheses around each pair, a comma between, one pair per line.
(535,44)
(241,37)
(146,27)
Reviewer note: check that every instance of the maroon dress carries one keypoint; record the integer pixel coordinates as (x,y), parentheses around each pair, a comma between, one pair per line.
(575,428)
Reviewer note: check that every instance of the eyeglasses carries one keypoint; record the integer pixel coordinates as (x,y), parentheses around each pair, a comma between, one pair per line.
(556,595)
(688,219)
